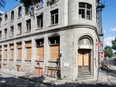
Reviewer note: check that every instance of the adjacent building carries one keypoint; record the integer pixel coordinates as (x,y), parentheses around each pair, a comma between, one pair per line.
(57,39)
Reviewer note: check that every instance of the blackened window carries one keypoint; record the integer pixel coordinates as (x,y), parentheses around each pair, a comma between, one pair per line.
(28,24)
(54,17)
(5,33)
(0,35)
(20,11)
(40,21)
(6,16)
(12,30)
(20,28)
(0,21)
(12,15)
(85,11)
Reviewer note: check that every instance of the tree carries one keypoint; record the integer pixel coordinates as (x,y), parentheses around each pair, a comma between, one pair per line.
(108,51)
(27,3)
(114,44)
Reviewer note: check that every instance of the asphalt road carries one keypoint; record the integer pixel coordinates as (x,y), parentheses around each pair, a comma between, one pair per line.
(18,82)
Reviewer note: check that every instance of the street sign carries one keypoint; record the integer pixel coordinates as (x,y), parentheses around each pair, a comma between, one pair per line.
(101,54)
(99,44)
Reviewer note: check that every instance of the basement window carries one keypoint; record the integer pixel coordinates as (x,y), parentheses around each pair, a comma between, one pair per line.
(54,17)
(85,11)
(40,21)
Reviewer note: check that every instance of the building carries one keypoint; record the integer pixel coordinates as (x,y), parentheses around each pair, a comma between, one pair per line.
(59,34)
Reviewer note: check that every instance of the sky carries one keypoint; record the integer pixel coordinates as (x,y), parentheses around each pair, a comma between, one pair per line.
(108,18)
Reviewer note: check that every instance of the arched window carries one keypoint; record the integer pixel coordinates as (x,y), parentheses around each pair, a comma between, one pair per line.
(0,21)
(85,11)
(12,15)
(6,17)
(85,43)
(20,11)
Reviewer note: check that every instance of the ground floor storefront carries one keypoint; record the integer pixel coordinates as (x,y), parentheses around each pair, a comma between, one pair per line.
(69,54)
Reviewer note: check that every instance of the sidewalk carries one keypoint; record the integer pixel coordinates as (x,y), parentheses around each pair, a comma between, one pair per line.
(104,77)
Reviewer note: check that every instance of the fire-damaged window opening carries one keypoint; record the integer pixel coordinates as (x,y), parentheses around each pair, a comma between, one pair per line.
(54,17)
(20,11)
(40,49)
(12,15)
(28,24)
(0,35)
(6,16)
(0,21)
(12,30)
(40,21)
(85,11)
(54,43)
(19,28)
(5,33)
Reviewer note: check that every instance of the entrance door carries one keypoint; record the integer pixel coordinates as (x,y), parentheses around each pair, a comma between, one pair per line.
(83,62)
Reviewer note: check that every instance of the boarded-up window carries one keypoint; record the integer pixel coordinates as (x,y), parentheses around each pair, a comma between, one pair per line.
(54,48)
(0,52)
(19,49)
(38,71)
(40,48)
(54,52)
(5,52)
(28,50)
(12,51)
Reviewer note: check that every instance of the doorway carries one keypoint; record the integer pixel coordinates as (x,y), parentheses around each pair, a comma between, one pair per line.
(84,61)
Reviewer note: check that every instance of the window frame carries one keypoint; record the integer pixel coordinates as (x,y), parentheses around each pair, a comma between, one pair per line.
(85,7)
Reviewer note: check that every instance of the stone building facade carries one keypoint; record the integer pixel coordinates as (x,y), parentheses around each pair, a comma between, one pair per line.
(61,35)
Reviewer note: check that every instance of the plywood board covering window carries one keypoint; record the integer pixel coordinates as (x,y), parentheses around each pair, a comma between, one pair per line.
(40,52)
(39,71)
(12,51)
(28,50)
(5,52)
(19,49)
(0,54)
(54,52)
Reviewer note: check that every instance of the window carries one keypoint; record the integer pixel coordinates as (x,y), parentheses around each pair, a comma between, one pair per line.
(19,28)
(54,48)
(11,51)
(54,17)
(19,51)
(0,35)
(28,24)
(40,21)
(5,33)
(12,30)
(12,15)
(85,11)
(0,21)
(6,17)
(40,48)
(28,45)
(20,11)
